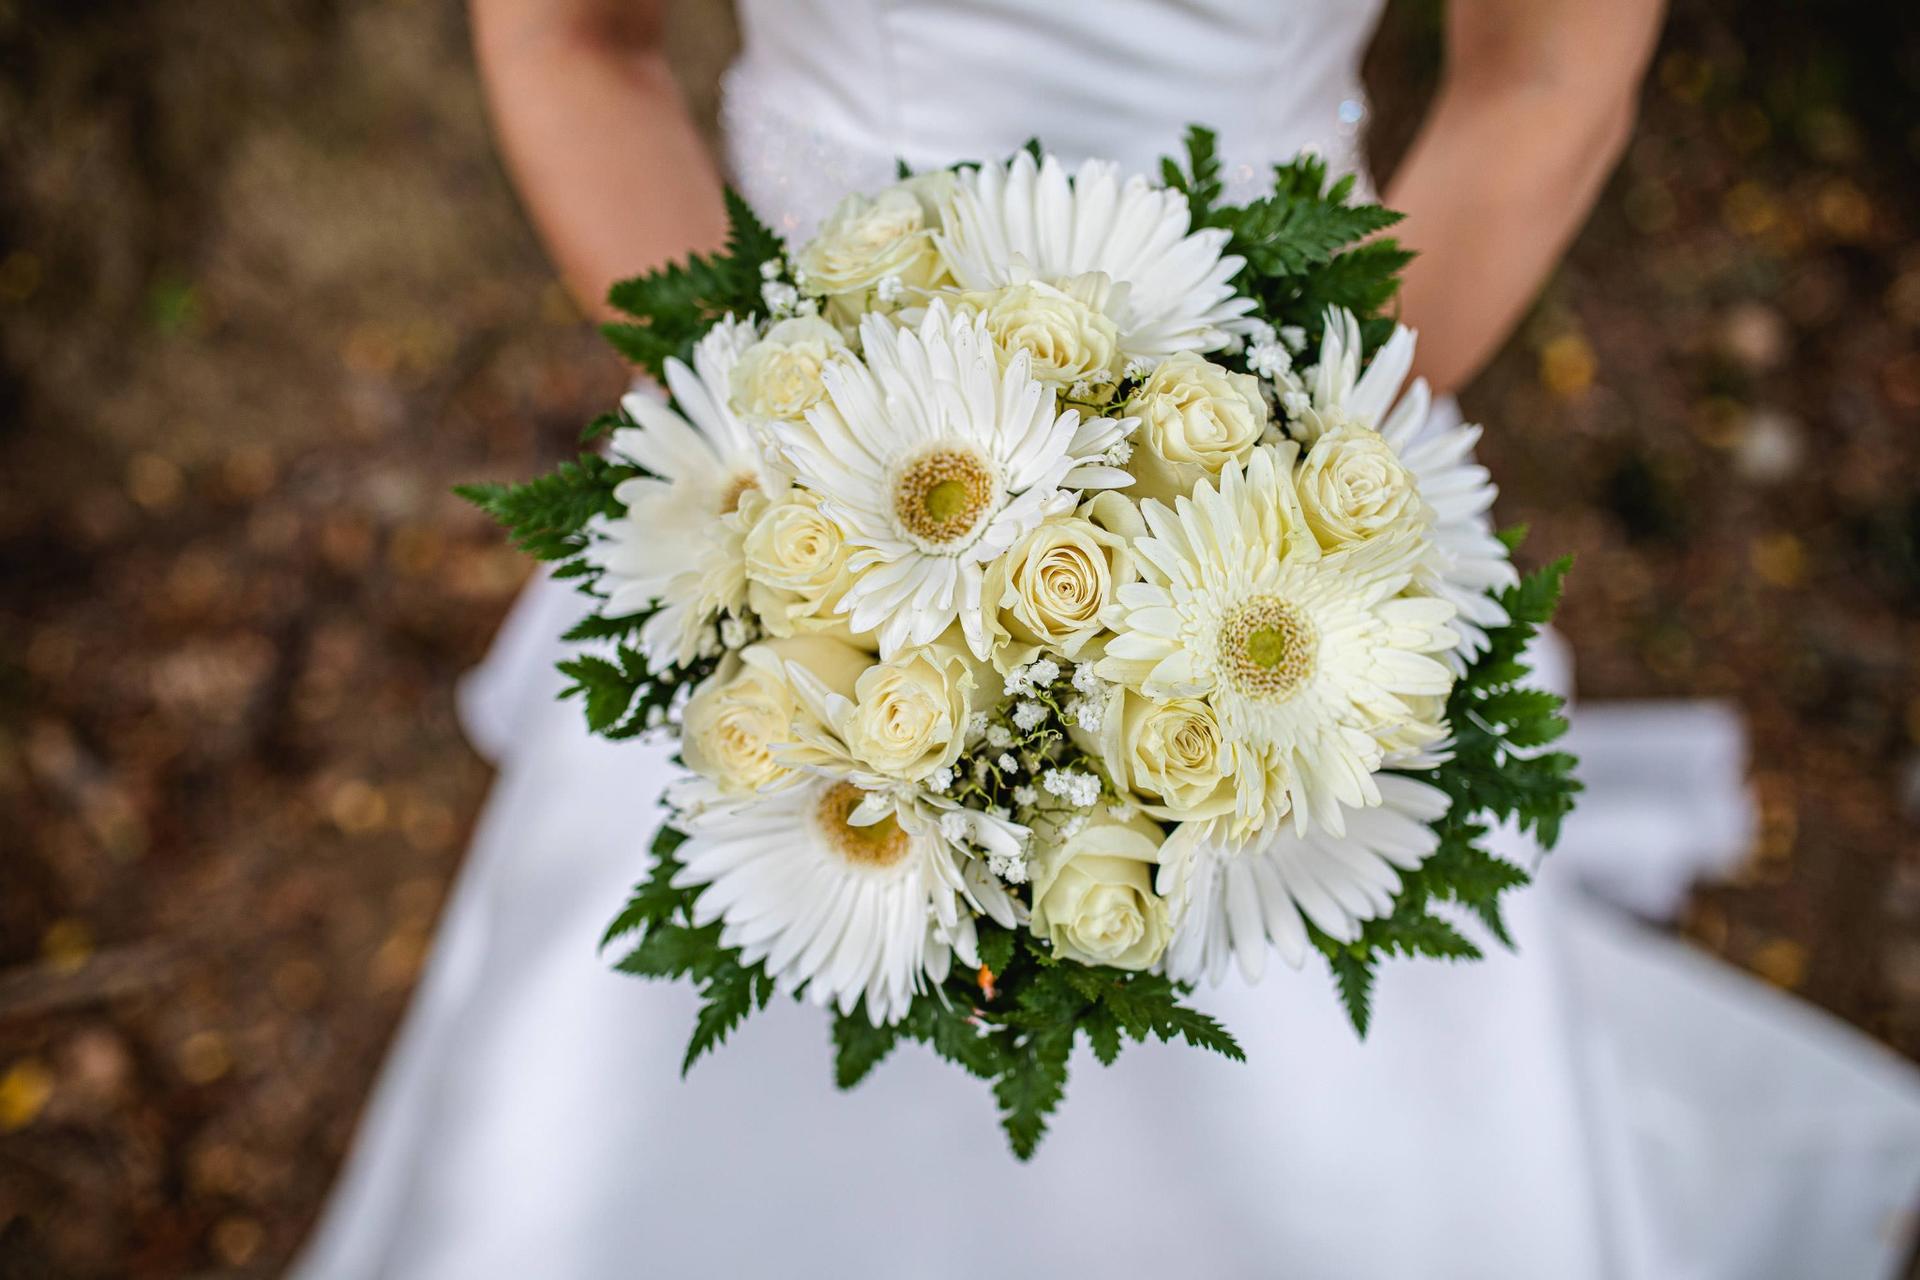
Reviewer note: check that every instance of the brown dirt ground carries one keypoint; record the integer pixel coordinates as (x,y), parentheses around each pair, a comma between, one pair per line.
(264,295)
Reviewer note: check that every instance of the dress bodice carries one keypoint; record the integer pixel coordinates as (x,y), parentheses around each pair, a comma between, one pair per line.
(827,94)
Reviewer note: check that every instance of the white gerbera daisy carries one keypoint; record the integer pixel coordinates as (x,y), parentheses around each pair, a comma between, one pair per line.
(678,542)
(842,904)
(1464,561)
(1307,658)
(1236,901)
(935,459)
(1021,221)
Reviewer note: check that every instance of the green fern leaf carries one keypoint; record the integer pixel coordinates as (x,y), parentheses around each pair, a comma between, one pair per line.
(859,1047)
(1031,1085)
(1353,977)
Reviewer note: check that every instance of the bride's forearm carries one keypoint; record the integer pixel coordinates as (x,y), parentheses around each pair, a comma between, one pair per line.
(596,137)
(1492,197)
(1535,109)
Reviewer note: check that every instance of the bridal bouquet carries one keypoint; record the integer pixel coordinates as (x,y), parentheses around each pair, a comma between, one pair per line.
(1056,600)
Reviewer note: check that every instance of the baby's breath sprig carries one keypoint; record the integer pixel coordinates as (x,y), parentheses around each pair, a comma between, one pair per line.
(1022,759)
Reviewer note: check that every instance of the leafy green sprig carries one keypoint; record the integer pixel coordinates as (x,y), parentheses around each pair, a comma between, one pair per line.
(673,307)
(1014,1024)
(667,944)
(1306,244)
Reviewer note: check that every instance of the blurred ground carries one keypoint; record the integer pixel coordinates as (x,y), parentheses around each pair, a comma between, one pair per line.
(264,296)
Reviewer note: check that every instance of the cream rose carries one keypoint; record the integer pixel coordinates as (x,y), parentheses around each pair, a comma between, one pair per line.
(779,376)
(1170,752)
(909,713)
(744,712)
(1195,419)
(1049,589)
(796,562)
(1352,488)
(1064,330)
(869,238)
(1093,896)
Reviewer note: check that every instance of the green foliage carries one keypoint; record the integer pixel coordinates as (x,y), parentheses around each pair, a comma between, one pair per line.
(598,626)
(604,687)
(1199,181)
(996,949)
(1018,1030)
(547,516)
(1306,244)
(859,1047)
(674,306)
(1041,1006)
(667,944)
(653,899)
(621,698)
(1031,1085)
(1464,872)
(1497,772)
(1103,1033)
(1303,223)
(962,1040)
(1148,1004)
(728,996)
(1353,977)
(603,426)
(1362,280)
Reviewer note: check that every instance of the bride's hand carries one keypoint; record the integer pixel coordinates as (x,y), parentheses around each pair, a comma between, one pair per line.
(596,137)
(1536,103)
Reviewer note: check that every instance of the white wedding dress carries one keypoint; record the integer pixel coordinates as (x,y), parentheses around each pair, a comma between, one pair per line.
(1605,1103)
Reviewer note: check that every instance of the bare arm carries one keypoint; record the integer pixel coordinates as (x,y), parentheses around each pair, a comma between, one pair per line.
(596,137)
(1535,105)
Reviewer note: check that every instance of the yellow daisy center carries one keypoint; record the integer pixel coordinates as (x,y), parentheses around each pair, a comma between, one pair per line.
(879,844)
(1267,648)
(940,497)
